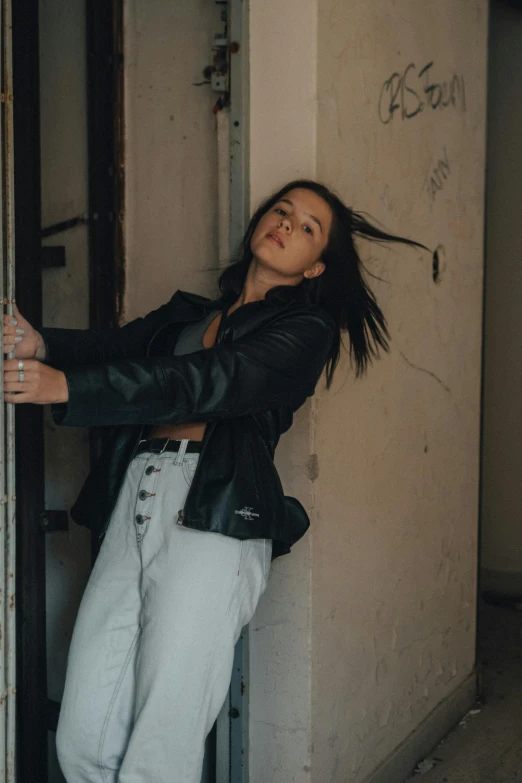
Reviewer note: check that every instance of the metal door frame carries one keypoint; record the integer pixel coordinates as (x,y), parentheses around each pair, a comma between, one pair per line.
(31,647)
(36,713)
(7,419)
(232,751)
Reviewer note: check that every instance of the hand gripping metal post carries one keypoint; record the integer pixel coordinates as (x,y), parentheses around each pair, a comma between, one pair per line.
(7,419)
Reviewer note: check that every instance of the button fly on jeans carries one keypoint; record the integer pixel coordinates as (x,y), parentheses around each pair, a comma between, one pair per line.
(143,494)
(149,470)
(140,519)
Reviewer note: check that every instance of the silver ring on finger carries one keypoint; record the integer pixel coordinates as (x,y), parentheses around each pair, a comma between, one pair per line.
(20,364)
(22,376)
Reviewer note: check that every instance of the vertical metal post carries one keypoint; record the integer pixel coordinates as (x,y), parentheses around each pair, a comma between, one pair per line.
(31,684)
(239,114)
(239,218)
(10,592)
(8,534)
(3,495)
(223,144)
(233,720)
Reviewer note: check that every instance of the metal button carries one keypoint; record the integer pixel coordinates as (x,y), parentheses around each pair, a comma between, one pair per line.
(143,494)
(149,470)
(139,519)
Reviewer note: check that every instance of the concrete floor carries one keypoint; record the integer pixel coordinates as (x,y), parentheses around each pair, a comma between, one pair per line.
(486,747)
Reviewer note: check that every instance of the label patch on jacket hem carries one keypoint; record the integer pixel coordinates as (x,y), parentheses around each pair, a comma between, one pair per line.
(246,512)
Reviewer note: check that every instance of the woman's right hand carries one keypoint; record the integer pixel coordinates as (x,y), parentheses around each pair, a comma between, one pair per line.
(20,337)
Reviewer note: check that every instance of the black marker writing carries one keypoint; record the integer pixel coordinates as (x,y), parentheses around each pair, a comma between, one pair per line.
(410,93)
(438,175)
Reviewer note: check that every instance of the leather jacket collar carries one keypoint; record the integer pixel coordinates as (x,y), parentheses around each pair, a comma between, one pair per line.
(283,295)
(247,316)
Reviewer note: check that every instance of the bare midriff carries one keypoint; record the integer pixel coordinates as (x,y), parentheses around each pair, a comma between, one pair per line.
(194,430)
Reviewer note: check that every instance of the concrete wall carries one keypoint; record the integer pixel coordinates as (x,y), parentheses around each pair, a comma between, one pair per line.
(501,540)
(396,499)
(387,631)
(171,149)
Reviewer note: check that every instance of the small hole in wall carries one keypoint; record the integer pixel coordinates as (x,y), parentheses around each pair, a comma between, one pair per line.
(436,266)
(438,263)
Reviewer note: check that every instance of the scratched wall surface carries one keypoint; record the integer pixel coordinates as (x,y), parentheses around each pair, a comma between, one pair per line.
(171,148)
(401,129)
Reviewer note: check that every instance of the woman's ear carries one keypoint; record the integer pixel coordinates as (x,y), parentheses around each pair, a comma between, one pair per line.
(315,270)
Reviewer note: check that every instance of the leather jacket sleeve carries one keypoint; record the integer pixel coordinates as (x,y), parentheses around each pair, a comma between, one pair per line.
(77,347)
(278,364)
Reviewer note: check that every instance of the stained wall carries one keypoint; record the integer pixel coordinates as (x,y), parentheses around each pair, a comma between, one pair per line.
(171,151)
(401,136)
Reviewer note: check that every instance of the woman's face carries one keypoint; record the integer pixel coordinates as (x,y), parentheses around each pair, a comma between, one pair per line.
(291,236)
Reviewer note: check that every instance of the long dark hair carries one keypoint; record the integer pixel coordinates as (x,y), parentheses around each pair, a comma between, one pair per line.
(341,289)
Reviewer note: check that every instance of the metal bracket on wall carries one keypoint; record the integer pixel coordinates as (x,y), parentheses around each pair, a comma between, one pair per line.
(52,521)
(65,225)
(217,74)
(54,256)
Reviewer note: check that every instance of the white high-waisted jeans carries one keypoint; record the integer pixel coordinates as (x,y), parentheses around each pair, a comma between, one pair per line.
(151,656)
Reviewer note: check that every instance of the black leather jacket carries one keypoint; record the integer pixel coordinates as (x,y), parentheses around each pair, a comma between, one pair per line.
(266,361)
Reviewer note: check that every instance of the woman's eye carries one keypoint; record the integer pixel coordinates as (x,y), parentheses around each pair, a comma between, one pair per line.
(309,230)
(281,211)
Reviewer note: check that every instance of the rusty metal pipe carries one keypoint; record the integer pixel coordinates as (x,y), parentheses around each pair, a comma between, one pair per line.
(9,609)
(3,495)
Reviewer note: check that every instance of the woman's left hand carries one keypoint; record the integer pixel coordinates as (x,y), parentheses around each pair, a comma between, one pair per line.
(29,380)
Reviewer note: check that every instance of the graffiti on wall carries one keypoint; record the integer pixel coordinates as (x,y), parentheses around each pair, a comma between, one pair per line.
(437,176)
(407,94)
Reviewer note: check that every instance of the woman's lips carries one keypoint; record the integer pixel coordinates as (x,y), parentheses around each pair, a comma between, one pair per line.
(275,240)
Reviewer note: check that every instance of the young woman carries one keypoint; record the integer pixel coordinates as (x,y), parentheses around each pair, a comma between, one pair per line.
(187,499)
